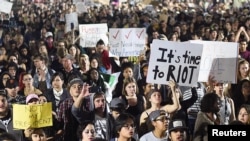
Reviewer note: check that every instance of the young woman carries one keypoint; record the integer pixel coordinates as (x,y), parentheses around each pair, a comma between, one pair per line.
(244,114)
(38,134)
(136,103)
(4,77)
(126,71)
(154,100)
(58,92)
(28,86)
(75,52)
(242,94)
(86,131)
(95,63)
(95,81)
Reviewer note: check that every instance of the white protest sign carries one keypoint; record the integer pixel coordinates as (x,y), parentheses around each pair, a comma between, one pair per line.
(71,20)
(76,1)
(178,61)
(104,2)
(88,3)
(91,33)
(127,41)
(81,7)
(5,6)
(219,59)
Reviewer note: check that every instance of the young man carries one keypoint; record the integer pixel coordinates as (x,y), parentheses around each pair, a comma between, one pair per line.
(177,130)
(117,106)
(12,89)
(159,120)
(103,55)
(68,123)
(97,111)
(6,122)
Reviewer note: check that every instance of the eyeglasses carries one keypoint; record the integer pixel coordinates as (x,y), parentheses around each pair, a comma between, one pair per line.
(127,126)
(162,119)
(27,79)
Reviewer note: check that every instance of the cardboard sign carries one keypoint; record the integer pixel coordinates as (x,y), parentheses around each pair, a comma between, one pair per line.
(71,20)
(103,2)
(91,33)
(32,116)
(81,7)
(219,59)
(127,41)
(5,6)
(178,61)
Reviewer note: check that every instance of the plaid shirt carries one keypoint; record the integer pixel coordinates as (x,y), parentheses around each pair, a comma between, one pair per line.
(64,109)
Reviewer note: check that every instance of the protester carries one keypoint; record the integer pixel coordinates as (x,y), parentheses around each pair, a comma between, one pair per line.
(244,114)
(177,130)
(86,131)
(160,121)
(7,119)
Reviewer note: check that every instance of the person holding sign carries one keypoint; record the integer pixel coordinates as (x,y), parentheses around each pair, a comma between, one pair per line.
(6,123)
(154,100)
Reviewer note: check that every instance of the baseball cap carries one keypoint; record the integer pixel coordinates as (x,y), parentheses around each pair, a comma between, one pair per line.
(11,83)
(75,81)
(117,103)
(31,96)
(48,34)
(155,114)
(176,124)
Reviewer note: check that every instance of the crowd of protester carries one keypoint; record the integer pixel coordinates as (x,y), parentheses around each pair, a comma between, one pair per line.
(40,62)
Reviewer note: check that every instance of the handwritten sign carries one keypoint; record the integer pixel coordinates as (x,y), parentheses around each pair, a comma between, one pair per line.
(127,41)
(5,6)
(76,1)
(219,59)
(104,2)
(91,33)
(174,61)
(81,7)
(32,116)
(71,19)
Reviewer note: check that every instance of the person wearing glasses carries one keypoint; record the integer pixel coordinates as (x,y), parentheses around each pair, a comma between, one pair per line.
(159,120)
(125,128)
(28,87)
(154,99)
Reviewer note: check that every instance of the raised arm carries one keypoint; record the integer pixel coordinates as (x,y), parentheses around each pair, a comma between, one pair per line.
(241,30)
(76,109)
(170,108)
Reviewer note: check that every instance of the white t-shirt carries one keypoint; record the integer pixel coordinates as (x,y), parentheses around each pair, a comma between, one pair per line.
(150,137)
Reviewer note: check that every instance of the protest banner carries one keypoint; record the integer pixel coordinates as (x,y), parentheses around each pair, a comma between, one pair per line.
(76,1)
(32,116)
(5,6)
(125,42)
(178,61)
(71,22)
(81,7)
(91,33)
(219,59)
(103,2)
